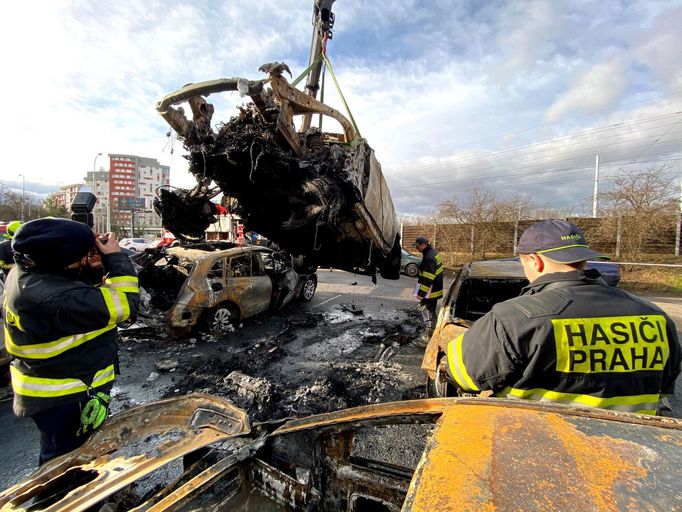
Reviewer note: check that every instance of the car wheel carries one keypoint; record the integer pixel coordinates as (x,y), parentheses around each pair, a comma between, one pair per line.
(131,249)
(308,288)
(220,320)
(436,388)
(412,269)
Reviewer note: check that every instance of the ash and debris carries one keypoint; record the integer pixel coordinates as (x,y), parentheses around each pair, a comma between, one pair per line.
(291,363)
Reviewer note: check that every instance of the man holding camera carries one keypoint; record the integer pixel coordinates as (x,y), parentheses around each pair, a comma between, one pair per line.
(62,330)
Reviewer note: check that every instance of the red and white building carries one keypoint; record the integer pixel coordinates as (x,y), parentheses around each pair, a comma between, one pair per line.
(131,179)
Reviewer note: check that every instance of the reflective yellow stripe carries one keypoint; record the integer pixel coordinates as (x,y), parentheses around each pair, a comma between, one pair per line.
(128,284)
(117,304)
(47,388)
(439,271)
(429,275)
(642,404)
(456,365)
(6,265)
(424,288)
(53,348)
(434,295)
(562,247)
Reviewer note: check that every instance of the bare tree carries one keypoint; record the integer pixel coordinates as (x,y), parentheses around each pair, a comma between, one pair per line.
(640,205)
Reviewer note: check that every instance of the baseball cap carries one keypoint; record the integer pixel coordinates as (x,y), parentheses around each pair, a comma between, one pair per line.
(421,240)
(557,240)
(53,243)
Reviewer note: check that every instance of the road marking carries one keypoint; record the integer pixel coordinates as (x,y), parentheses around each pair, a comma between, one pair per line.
(323,303)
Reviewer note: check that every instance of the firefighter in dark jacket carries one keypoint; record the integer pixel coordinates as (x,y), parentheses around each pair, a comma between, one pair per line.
(569,338)
(429,286)
(62,330)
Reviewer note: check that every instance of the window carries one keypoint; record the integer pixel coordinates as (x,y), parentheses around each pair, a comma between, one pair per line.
(216,271)
(240,266)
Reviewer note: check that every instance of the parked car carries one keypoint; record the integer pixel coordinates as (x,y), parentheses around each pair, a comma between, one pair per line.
(477,287)
(409,263)
(214,285)
(134,244)
(200,452)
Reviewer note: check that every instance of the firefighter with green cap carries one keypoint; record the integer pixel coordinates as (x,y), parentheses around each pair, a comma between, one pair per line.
(6,258)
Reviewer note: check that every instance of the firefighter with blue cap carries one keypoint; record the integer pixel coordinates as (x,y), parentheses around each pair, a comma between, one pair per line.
(569,338)
(6,258)
(61,329)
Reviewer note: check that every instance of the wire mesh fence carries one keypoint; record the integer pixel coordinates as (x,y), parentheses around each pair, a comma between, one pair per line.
(635,236)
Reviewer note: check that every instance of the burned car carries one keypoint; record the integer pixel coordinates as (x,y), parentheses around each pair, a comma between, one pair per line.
(199,452)
(318,194)
(477,287)
(216,285)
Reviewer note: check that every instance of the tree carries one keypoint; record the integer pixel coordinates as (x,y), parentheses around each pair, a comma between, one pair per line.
(641,206)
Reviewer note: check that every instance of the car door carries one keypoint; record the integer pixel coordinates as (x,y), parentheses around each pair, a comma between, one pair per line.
(218,289)
(247,284)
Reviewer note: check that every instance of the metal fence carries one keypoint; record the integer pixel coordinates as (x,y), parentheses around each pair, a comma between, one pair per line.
(619,236)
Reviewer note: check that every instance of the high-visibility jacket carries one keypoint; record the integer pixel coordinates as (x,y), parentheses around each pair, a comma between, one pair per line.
(6,259)
(430,281)
(571,339)
(62,332)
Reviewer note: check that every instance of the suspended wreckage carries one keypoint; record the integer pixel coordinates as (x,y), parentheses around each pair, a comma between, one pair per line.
(319,195)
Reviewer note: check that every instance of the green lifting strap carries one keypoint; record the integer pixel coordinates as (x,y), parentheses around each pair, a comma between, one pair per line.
(338,89)
(303,75)
(343,99)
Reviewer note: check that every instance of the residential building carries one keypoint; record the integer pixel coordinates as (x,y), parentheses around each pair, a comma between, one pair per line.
(64,197)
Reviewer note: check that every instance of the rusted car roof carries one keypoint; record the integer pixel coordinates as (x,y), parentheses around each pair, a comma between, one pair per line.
(482,454)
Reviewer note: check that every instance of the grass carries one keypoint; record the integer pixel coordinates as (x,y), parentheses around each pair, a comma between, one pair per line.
(652,280)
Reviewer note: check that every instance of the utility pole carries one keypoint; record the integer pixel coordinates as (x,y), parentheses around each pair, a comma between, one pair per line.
(596,188)
(23,195)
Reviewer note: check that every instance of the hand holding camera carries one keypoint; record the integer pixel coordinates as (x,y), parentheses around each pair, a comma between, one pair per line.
(107,243)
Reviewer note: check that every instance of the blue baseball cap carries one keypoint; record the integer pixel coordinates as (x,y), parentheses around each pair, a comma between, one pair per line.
(557,240)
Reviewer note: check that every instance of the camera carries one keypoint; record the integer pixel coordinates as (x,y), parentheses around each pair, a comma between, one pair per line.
(82,206)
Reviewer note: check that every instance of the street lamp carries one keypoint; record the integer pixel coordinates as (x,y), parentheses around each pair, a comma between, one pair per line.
(23,195)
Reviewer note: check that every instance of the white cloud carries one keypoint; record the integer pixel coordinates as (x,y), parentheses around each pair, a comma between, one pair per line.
(597,88)
(447,92)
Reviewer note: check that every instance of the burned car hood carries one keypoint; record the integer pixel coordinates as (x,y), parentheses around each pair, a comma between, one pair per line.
(479,454)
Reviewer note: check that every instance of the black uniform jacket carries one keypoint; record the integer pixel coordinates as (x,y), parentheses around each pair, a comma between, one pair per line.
(571,338)
(62,332)
(430,281)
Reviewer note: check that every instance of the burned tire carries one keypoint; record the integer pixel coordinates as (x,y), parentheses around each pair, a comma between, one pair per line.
(436,388)
(412,269)
(221,319)
(308,289)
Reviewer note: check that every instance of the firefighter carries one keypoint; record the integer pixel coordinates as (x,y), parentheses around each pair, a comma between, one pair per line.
(429,286)
(61,330)
(6,259)
(569,338)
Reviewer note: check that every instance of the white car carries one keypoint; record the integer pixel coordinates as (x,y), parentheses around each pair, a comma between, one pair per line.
(134,244)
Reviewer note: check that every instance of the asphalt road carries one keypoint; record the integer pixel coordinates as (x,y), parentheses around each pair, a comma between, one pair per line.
(337,290)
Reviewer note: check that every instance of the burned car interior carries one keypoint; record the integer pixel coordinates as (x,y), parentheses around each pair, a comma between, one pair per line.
(199,452)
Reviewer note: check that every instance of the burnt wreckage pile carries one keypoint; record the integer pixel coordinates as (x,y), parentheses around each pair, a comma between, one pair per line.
(318,195)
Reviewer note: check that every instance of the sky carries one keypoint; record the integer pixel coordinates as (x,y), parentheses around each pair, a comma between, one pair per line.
(517,97)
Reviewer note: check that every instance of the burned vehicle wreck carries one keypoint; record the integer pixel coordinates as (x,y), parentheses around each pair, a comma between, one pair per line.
(319,195)
(214,285)
(199,452)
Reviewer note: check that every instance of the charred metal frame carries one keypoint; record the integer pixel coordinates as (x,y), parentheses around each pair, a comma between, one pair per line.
(482,454)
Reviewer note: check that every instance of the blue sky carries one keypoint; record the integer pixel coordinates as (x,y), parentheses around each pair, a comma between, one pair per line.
(515,96)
